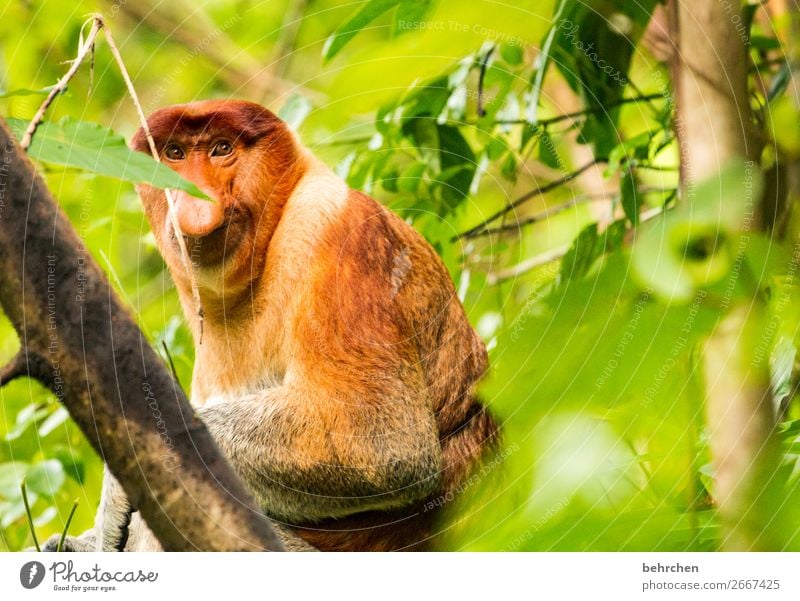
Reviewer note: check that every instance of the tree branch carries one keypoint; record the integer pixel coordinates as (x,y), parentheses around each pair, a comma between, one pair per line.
(97,362)
(559,208)
(478,229)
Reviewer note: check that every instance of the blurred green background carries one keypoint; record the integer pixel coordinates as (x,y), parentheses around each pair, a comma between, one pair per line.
(594,374)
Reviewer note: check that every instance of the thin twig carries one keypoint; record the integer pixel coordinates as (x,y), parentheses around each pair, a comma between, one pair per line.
(28,513)
(171,364)
(475,231)
(555,209)
(61,540)
(198,304)
(497,277)
(283,52)
(544,258)
(581,113)
(651,167)
(83,51)
(548,212)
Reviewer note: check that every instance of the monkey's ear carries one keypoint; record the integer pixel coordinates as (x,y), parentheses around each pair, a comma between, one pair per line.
(139,141)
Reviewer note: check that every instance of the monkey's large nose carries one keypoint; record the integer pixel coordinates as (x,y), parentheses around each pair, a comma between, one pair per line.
(198,217)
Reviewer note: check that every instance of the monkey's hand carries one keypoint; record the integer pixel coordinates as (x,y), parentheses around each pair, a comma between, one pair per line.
(113,516)
(72,544)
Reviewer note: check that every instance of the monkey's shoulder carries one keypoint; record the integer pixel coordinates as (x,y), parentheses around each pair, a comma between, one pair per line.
(371,242)
(377,281)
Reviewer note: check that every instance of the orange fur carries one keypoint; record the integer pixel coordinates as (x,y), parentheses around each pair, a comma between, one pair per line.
(309,282)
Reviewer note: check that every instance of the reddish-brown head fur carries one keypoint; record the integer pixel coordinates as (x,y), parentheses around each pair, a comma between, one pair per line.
(241,156)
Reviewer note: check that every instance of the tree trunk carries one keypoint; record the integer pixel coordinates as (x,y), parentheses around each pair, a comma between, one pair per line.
(714,125)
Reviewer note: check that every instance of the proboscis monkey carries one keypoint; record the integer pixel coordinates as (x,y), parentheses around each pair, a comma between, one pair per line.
(337,367)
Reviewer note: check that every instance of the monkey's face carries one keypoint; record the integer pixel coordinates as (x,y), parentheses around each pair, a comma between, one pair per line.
(238,154)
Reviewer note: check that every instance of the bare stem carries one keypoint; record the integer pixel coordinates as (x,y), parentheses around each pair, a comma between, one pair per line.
(24,489)
(61,540)
(86,49)
(173,216)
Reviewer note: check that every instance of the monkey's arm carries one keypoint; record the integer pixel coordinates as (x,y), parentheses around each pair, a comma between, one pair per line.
(307,458)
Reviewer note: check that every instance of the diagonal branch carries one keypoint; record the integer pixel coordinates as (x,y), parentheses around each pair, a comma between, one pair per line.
(478,229)
(116,388)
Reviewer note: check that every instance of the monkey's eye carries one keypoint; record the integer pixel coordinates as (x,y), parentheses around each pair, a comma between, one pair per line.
(174,153)
(222,148)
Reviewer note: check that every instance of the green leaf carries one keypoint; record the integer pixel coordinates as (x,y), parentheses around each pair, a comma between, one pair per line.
(458,165)
(581,255)
(636,147)
(547,151)
(11,511)
(360,169)
(429,100)
(424,133)
(543,61)
(630,197)
(46,477)
(96,149)
(784,124)
(779,82)
(593,55)
(512,53)
(295,110)
(509,167)
(45,517)
(614,235)
(529,132)
(28,415)
(760,42)
(11,475)
(389,179)
(781,367)
(53,421)
(496,148)
(410,11)
(74,466)
(411,177)
(371,10)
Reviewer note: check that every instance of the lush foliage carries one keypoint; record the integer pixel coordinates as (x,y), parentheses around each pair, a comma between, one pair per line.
(533,146)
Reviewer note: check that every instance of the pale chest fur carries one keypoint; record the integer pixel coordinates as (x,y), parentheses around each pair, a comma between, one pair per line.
(251,354)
